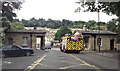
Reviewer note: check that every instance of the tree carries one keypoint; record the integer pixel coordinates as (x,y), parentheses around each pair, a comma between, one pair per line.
(110,8)
(114,26)
(61,32)
(7,14)
(16,26)
(106,7)
(118,37)
(8,11)
(8,8)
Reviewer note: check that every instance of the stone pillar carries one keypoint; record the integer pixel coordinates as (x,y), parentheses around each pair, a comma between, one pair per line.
(43,42)
(95,43)
(34,42)
(30,40)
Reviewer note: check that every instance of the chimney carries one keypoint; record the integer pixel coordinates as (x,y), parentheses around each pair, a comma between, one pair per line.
(85,28)
(34,26)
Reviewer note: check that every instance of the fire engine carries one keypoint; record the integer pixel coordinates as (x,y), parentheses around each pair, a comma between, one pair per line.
(71,44)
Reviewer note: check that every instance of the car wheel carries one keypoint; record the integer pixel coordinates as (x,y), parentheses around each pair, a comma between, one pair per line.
(28,53)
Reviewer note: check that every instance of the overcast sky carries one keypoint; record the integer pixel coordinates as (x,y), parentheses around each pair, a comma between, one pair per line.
(57,10)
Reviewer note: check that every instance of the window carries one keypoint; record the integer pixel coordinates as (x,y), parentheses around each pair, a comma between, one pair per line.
(99,41)
(10,41)
(25,40)
(7,47)
(16,47)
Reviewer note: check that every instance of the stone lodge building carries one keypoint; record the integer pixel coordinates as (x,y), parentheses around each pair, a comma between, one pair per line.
(107,39)
(25,38)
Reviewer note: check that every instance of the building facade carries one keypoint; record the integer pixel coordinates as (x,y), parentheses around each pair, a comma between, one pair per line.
(25,38)
(92,39)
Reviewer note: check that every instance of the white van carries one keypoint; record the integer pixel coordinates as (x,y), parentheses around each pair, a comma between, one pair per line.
(47,45)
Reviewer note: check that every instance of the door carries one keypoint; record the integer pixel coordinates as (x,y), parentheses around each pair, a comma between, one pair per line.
(112,44)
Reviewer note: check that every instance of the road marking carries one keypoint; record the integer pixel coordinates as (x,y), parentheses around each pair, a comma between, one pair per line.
(68,67)
(71,66)
(81,60)
(45,65)
(30,68)
(67,62)
(85,63)
(7,62)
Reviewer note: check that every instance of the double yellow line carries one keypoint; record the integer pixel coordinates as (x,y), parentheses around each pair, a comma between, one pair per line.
(85,63)
(35,64)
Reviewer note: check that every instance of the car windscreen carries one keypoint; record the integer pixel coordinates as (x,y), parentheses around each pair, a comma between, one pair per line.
(16,47)
(7,47)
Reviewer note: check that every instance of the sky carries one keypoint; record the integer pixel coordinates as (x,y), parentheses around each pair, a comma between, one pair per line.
(57,10)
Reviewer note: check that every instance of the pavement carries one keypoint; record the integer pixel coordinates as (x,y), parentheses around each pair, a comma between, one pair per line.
(110,54)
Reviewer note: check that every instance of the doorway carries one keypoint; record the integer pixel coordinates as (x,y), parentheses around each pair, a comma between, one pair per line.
(38,43)
(112,44)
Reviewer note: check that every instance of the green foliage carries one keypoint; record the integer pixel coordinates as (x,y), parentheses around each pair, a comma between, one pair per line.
(110,8)
(8,7)
(7,15)
(101,27)
(118,32)
(5,22)
(61,32)
(3,35)
(16,26)
(54,24)
(111,26)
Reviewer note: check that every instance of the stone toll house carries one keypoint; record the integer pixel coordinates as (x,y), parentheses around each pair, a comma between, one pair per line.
(107,39)
(25,38)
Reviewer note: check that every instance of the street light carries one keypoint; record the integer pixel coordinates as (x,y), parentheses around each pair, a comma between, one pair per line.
(98,10)
(99,40)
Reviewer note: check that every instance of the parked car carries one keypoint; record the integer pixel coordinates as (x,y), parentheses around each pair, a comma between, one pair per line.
(16,50)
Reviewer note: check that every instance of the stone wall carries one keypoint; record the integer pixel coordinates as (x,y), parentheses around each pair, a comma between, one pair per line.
(118,46)
(18,39)
(106,42)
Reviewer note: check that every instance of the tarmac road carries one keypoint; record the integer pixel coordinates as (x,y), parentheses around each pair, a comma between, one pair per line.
(55,59)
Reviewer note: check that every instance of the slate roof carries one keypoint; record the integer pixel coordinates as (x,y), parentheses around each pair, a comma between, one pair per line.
(97,32)
(26,31)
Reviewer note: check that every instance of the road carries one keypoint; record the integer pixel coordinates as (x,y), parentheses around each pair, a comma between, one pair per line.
(55,59)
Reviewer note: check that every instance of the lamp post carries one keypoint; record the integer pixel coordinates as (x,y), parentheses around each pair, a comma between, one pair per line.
(99,40)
